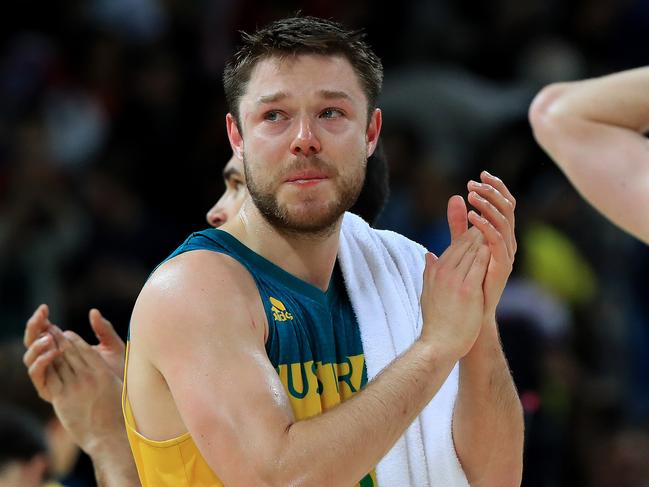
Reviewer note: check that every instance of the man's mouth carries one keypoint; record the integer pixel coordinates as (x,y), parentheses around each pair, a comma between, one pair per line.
(307,178)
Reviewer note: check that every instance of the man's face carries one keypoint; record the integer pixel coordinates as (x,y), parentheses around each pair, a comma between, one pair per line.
(233,197)
(305,140)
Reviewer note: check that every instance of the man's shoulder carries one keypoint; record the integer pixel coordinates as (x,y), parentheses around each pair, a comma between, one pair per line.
(200,267)
(192,284)
(196,296)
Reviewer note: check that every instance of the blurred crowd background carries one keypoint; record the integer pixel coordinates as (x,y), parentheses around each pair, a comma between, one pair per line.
(112,142)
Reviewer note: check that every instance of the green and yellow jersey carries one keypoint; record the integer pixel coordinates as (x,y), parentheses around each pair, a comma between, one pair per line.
(313,342)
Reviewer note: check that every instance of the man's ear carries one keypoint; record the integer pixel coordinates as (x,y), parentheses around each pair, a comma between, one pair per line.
(234,136)
(373,131)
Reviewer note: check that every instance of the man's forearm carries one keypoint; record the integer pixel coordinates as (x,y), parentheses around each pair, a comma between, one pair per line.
(488,418)
(373,420)
(114,465)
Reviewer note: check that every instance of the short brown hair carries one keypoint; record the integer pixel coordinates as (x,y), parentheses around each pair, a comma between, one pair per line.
(302,35)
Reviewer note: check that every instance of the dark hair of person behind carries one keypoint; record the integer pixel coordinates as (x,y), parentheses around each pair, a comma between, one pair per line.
(302,35)
(376,188)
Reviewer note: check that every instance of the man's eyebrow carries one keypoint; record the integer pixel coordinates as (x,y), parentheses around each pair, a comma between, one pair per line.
(272,98)
(281,95)
(231,172)
(333,95)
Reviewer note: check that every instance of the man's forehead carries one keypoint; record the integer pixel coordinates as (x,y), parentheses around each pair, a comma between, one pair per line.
(315,74)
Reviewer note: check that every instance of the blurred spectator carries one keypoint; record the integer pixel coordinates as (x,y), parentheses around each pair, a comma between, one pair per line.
(23,451)
(17,390)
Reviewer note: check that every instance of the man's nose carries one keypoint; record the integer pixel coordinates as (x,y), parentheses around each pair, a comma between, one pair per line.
(305,142)
(216,216)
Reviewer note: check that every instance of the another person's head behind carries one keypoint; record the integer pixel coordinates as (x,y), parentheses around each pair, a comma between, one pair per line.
(233,196)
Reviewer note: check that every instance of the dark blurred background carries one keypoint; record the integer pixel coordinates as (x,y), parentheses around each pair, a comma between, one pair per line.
(112,141)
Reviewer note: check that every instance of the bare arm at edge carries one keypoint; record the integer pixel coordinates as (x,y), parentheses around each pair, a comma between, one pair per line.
(593,130)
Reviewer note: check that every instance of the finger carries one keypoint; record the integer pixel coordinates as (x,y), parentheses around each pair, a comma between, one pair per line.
(456,215)
(53,381)
(454,253)
(497,183)
(36,325)
(70,353)
(63,369)
(105,332)
(91,358)
(478,270)
(69,360)
(43,344)
(494,217)
(494,197)
(492,236)
(467,259)
(37,372)
(503,205)
(430,260)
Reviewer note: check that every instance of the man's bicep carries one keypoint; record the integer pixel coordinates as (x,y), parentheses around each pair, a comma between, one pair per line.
(200,323)
(232,401)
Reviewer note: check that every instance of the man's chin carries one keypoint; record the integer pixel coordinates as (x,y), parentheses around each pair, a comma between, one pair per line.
(306,219)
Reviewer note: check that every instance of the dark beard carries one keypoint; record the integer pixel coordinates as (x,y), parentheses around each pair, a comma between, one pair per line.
(320,224)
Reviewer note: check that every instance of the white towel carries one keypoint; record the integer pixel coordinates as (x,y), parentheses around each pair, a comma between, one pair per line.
(383,276)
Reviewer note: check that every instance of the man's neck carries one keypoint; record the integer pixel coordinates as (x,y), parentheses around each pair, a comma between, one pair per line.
(310,257)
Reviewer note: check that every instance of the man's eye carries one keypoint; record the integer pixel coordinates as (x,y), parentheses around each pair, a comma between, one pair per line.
(331,113)
(273,116)
(233,184)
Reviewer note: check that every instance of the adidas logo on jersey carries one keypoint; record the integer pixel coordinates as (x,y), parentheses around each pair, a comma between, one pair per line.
(280,313)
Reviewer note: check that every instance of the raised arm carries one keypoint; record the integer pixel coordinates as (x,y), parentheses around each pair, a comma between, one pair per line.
(84,389)
(593,131)
(208,343)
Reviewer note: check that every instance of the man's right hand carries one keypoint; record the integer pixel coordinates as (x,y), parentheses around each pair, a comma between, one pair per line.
(452,299)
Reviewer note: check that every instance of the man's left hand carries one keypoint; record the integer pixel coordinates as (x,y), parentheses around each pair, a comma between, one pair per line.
(495,204)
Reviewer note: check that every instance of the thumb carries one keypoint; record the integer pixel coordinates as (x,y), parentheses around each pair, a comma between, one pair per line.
(104,331)
(458,222)
(431,260)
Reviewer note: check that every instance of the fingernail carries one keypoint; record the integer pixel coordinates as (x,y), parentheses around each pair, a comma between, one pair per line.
(486,173)
(474,183)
